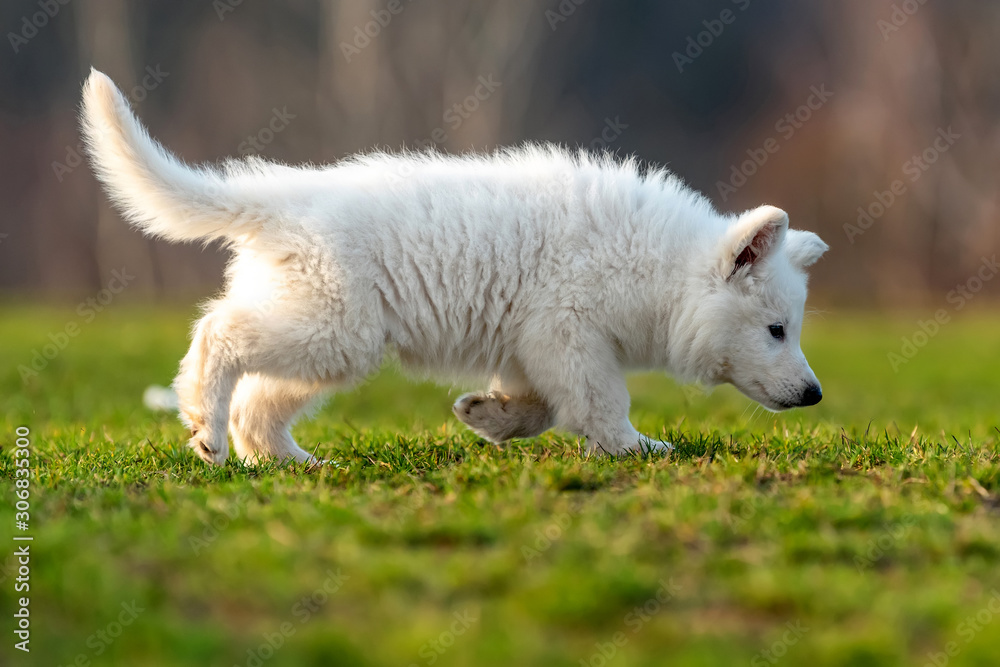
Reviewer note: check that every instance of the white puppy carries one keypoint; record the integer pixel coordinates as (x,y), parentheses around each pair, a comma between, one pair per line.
(549,273)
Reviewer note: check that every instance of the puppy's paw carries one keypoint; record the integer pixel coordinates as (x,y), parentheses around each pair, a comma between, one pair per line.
(468,403)
(483,413)
(499,417)
(650,446)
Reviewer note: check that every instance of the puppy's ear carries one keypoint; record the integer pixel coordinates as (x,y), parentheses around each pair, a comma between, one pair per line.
(754,236)
(804,248)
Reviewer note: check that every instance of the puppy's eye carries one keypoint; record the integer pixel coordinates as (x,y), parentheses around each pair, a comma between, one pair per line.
(777,331)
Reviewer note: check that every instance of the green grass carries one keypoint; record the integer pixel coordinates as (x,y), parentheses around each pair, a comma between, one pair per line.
(865,531)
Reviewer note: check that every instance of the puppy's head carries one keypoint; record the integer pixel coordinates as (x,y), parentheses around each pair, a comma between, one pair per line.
(756,308)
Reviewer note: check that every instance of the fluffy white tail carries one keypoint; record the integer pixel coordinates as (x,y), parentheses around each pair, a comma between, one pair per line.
(154,190)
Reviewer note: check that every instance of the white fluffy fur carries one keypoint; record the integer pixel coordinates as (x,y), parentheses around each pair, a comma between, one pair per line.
(548,272)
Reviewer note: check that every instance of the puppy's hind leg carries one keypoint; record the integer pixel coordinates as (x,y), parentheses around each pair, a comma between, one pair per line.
(263,410)
(205,384)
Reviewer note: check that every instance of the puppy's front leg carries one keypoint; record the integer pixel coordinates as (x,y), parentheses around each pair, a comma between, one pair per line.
(603,421)
(623,439)
(584,384)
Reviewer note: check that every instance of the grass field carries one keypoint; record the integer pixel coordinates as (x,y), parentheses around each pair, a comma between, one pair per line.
(865,531)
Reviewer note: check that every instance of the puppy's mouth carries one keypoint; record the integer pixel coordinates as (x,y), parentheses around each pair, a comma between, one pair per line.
(761,395)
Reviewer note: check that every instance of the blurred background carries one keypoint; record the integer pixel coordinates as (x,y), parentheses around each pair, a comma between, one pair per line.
(870,518)
(873,123)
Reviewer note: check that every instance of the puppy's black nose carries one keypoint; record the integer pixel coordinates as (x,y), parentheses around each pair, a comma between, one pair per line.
(811,396)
